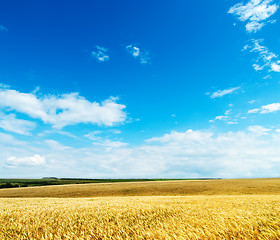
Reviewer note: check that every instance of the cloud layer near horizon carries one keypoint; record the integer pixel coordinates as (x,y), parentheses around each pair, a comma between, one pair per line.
(251,153)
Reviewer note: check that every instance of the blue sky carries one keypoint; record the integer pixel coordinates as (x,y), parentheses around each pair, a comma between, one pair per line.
(106,89)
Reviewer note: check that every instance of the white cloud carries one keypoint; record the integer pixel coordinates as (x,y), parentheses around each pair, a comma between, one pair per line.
(230,154)
(257,67)
(263,51)
(11,123)
(252,101)
(6,138)
(182,137)
(255,12)
(108,144)
(273,107)
(33,160)
(142,55)
(3,29)
(265,58)
(54,145)
(226,117)
(200,153)
(135,51)
(221,117)
(63,110)
(94,135)
(259,130)
(254,26)
(275,66)
(8,141)
(267,77)
(221,93)
(270,108)
(255,110)
(100,54)
(232,123)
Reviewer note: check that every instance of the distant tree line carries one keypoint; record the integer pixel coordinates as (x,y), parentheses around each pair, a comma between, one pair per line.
(9,185)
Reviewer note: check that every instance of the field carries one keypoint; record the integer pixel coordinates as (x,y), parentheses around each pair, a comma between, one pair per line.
(14,183)
(153,188)
(210,209)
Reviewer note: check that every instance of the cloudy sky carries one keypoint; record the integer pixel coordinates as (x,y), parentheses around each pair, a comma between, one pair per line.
(119,89)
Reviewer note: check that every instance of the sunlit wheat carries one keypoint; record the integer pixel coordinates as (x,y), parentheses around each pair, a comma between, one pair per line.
(189,217)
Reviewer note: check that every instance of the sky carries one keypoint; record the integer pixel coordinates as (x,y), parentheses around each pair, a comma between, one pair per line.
(139,89)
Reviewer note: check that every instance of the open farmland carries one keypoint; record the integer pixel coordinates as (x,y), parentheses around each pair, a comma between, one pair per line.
(191,217)
(165,188)
(214,209)
(14,182)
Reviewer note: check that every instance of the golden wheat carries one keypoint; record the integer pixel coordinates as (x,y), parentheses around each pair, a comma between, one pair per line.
(217,209)
(189,217)
(166,188)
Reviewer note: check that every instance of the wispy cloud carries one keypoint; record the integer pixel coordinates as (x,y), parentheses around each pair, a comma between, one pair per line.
(100,54)
(265,59)
(259,130)
(273,107)
(141,54)
(223,117)
(3,29)
(10,123)
(252,101)
(227,117)
(255,12)
(33,160)
(63,110)
(221,93)
(56,145)
(106,143)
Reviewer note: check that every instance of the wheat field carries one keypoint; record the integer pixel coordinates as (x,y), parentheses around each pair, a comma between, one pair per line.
(167,188)
(216,216)
(199,217)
